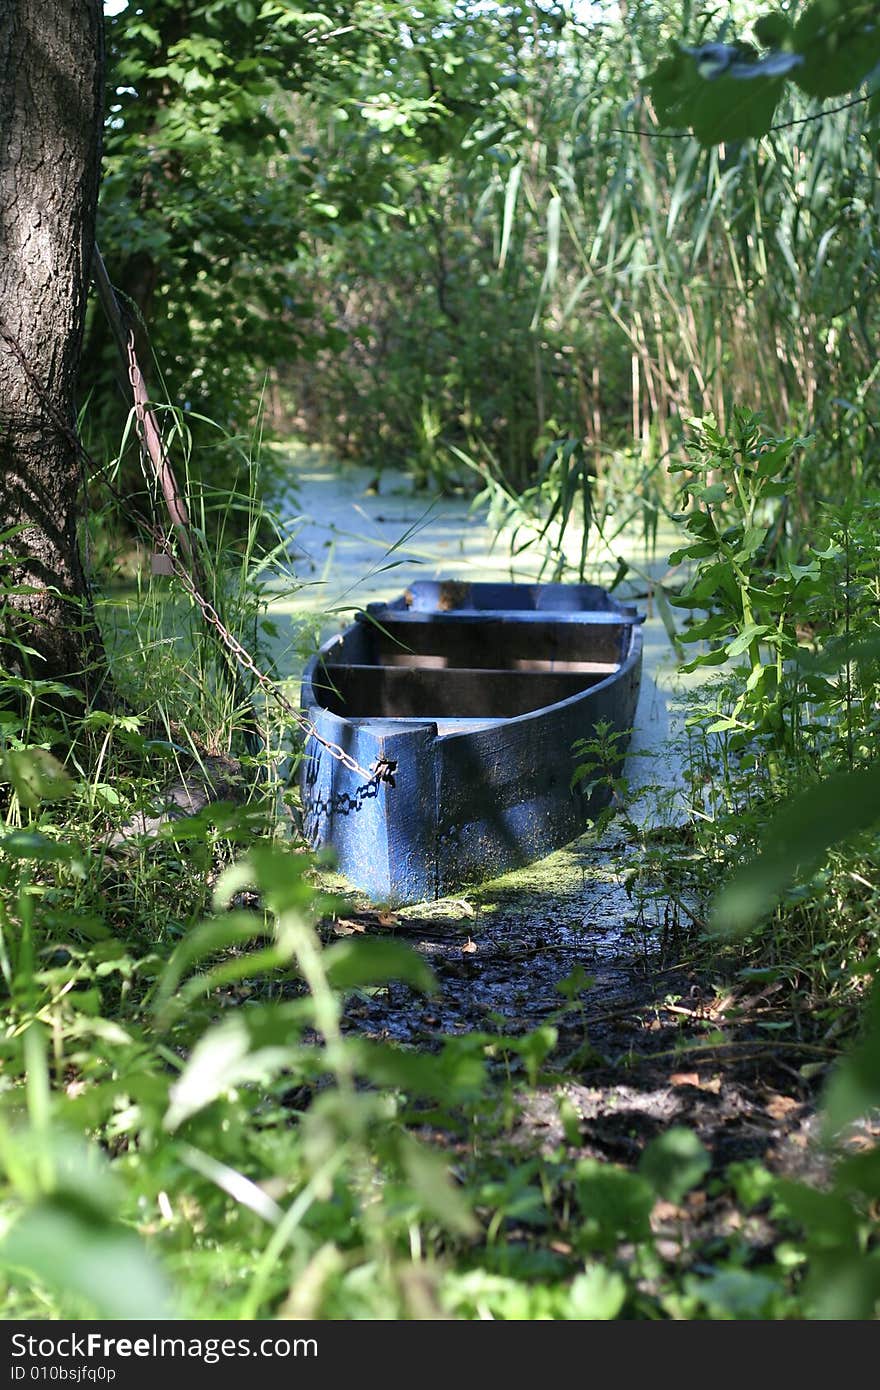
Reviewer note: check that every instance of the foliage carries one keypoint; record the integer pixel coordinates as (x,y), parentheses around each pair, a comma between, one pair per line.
(460,247)
(429,286)
(204,195)
(247,1169)
(217,193)
(739,486)
(730,91)
(794,625)
(577,288)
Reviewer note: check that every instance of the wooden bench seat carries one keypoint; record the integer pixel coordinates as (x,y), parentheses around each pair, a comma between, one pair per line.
(430,692)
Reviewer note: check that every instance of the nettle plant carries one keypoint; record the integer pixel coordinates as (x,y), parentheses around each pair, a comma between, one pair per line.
(792,626)
(792,629)
(738,484)
(745,595)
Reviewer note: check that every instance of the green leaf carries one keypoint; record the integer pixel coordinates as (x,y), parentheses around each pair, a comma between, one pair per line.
(534,1048)
(228,1055)
(456,1074)
(772,30)
(106,794)
(597,1295)
(736,1293)
(843,1286)
(752,539)
(840,44)
(279,874)
(719,108)
(772,461)
(751,1182)
(615,1205)
(714,658)
(33,844)
(667,617)
(675,1162)
(207,939)
(510,197)
(376,961)
(796,842)
(67,1246)
(35,775)
(107,1267)
(141,29)
(713,492)
(752,632)
(829,1218)
(429,1175)
(706,631)
(854,1087)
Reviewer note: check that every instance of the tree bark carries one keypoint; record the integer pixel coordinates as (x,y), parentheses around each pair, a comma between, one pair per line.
(51,109)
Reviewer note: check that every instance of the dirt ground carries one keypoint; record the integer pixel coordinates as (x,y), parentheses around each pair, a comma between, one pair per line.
(647,1037)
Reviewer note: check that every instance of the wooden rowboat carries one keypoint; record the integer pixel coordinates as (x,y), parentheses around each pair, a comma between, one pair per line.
(463,701)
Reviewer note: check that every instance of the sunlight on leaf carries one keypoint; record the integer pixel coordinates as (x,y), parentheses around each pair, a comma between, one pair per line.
(105,1265)
(598,1294)
(35,776)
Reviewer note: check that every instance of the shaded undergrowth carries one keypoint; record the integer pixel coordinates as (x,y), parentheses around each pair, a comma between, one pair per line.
(226,1093)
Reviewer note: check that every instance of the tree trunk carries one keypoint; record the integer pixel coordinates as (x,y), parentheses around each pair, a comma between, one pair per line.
(51,108)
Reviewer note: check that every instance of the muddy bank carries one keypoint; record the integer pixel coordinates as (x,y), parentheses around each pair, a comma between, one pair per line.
(643,1037)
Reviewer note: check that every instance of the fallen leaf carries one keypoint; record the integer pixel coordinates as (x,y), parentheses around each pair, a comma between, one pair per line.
(692,1078)
(345,926)
(684,1078)
(663,1211)
(780,1106)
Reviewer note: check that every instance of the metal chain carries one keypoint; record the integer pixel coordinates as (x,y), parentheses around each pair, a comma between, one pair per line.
(316,808)
(381,770)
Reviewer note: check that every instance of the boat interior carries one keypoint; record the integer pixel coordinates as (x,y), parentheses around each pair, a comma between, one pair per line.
(465,666)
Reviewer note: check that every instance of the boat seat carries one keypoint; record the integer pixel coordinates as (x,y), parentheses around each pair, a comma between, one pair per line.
(439,693)
(593,642)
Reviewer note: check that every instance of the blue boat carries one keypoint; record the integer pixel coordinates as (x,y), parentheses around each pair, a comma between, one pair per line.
(458,704)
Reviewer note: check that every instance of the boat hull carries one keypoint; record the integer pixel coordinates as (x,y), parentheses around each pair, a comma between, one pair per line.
(461,797)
